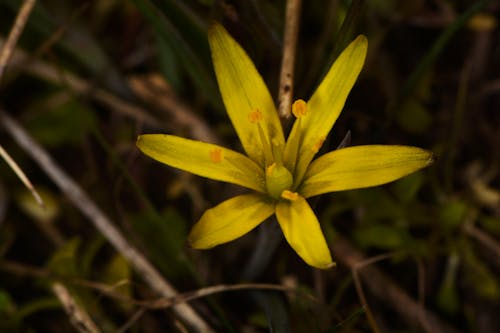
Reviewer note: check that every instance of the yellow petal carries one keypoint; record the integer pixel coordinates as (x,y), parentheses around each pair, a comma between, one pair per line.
(303,232)
(362,166)
(244,92)
(229,220)
(324,107)
(203,159)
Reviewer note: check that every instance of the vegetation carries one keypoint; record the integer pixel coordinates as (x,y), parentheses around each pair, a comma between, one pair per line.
(107,249)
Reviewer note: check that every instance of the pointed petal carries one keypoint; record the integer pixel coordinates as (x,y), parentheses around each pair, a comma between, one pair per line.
(303,232)
(203,159)
(229,220)
(362,166)
(325,106)
(243,91)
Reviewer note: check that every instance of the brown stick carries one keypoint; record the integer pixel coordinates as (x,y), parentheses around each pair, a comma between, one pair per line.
(287,65)
(52,74)
(79,319)
(15,32)
(82,201)
(385,289)
(21,175)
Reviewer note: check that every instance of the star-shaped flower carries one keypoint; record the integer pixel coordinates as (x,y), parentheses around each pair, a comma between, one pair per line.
(281,173)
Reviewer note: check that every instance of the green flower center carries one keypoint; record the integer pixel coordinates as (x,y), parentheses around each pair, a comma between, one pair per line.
(278,179)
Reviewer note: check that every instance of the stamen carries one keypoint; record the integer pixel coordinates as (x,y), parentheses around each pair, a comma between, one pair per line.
(317,146)
(277,151)
(216,155)
(255,116)
(289,195)
(269,169)
(299,108)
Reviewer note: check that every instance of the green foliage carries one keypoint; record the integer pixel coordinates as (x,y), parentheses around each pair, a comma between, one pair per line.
(67,123)
(428,81)
(166,237)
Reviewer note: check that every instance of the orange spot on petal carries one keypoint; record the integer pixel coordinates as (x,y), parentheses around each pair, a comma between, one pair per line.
(255,116)
(317,146)
(216,155)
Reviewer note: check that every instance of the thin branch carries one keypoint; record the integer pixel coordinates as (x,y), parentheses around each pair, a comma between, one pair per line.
(78,317)
(153,89)
(50,73)
(359,288)
(486,240)
(386,290)
(153,304)
(22,176)
(83,202)
(293,9)
(15,33)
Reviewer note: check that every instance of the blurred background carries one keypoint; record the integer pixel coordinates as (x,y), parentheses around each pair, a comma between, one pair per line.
(418,255)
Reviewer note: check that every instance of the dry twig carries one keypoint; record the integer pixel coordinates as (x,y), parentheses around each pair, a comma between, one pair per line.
(385,289)
(288,61)
(79,318)
(153,88)
(15,32)
(83,202)
(22,176)
(51,74)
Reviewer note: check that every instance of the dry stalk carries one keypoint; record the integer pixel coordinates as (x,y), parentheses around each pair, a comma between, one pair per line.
(386,290)
(83,202)
(14,34)
(292,16)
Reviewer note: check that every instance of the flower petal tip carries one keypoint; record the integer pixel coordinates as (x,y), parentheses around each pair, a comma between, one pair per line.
(330,265)
(195,243)
(431,160)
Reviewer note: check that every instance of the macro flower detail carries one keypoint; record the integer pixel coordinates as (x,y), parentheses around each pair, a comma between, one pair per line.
(282,173)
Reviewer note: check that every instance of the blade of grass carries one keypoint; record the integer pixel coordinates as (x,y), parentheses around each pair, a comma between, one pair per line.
(434,52)
(191,59)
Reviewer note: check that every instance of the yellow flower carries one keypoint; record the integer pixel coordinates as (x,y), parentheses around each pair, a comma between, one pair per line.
(282,173)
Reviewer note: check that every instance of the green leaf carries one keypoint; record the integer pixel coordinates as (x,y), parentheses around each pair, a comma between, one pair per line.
(381,236)
(480,277)
(406,189)
(164,237)
(5,301)
(66,124)
(377,205)
(447,297)
(31,208)
(118,275)
(413,117)
(63,262)
(276,313)
(451,214)
(490,224)
(194,58)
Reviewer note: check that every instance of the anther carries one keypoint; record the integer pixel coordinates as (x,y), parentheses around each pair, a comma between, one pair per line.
(289,195)
(269,169)
(299,108)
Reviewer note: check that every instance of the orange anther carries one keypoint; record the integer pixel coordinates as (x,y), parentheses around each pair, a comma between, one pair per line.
(289,195)
(299,108)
